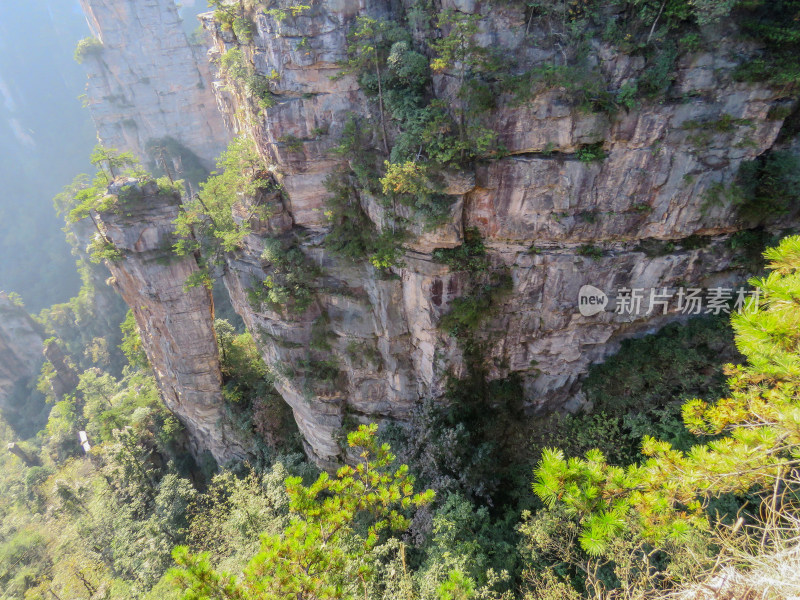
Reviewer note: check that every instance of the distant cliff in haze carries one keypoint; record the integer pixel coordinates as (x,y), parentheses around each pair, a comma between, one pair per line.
(40,117)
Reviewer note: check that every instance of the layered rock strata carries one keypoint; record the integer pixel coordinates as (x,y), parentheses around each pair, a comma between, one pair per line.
(551,221)
(175,323)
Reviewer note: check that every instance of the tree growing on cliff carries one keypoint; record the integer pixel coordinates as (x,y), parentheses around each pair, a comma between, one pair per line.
(89,46)
(327,549)
(206,222)
(131,345)
(111,161)
(664,499)
(368,47)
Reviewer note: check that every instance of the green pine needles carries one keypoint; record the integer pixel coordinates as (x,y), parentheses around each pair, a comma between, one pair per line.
(665,496)
(327,550)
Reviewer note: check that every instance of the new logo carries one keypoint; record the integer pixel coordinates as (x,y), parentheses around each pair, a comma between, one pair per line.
(591,300)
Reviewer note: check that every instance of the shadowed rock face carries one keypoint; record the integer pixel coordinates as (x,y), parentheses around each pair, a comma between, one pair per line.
(20,348)
(176,324)
(383,333)
(65,380)
(149,81)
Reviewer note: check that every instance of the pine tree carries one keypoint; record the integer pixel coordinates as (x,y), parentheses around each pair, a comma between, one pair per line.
(325,552)
(758,426)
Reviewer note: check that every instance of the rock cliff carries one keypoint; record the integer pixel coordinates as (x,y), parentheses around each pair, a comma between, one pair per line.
(608,189)
(176,323)
(20,351)
(551,218)
(149,82)
(20,345)
(149,92)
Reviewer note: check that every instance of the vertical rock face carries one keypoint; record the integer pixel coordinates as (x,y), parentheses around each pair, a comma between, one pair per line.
(149,81)
(20,361)
(370,346)
(20,347)
(176,324)
(350,352)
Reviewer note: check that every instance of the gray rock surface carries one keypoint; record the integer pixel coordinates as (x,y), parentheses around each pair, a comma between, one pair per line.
(176,323)
(369,346)
(384,334)
(20,347)
(150,81)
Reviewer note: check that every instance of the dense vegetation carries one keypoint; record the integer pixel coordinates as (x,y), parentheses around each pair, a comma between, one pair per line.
(681,470)
(113,523)
(104,525)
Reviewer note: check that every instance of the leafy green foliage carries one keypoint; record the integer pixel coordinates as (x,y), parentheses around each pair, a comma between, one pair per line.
(659,74)
(89,46)
(324,552)
(84,524)
(240,71)
(242,366)
(769,185)
(466,544)
(580,84)
(381,55)
(469,256)
(590,251)
(206,222)
(289,284)
(673,365)
(773,24)
(409,183)
(591,153)
(228,520)
(254,406)
(224,13)
(369,41)
(131,345)
(666,494)
(243,29)
(79,323)
(281,14)
(466,443)
(353,235)
(639,391)
(469,311)
(82,199)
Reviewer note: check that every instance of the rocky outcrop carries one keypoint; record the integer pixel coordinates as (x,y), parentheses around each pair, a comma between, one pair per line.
(149,93)
(20,361)
(20,348)
(65,378)
(149,82)
(370,346)
(28,459)
(176,323)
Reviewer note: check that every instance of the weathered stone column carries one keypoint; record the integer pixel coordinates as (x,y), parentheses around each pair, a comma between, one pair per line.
(176,323)
(149,81)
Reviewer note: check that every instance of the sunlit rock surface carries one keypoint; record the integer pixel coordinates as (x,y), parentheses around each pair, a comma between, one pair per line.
(150,81)
(176,323)
(552,222)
